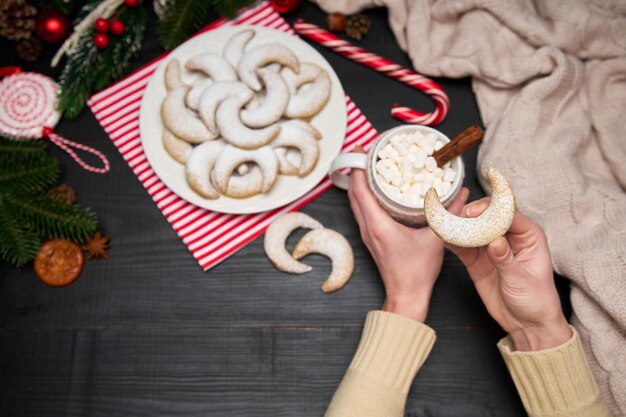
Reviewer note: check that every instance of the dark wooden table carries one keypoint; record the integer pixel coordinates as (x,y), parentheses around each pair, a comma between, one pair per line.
(147,333)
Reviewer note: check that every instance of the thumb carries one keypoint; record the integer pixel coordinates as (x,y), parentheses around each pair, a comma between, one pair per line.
(501,255)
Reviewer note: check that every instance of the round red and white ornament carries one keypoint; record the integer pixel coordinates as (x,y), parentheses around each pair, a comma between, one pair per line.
(28,102)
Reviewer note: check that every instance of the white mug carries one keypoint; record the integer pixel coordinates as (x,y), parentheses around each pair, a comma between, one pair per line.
(412,215)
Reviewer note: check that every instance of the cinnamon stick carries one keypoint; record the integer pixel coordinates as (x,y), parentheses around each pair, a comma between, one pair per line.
(458,145)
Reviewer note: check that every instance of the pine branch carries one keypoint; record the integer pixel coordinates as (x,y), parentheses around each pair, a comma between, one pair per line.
(90,69)
(181,18)
(64,6)
(229,8)
(25,166)
(18,244)
(52,218)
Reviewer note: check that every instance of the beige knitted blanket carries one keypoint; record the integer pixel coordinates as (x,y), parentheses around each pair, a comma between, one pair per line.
(550,80)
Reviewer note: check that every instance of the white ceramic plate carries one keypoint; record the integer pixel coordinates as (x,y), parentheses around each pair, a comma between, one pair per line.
(331,122)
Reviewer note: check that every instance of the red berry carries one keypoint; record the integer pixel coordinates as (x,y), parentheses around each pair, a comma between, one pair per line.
(131,3)
(101,40)
(285,6)
(101,25)
(117,27)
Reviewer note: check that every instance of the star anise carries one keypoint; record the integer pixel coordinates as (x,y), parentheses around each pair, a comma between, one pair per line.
(96,246)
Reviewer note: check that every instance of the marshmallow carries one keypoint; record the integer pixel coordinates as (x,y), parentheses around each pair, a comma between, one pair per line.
(431,138)
(449,175)
(438,145)
(438,172)
(430,164)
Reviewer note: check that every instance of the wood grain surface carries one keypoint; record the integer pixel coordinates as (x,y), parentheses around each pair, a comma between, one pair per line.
(147,333)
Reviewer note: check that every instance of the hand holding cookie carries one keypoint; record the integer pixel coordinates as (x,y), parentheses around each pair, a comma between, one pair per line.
(409,260)
(513,276)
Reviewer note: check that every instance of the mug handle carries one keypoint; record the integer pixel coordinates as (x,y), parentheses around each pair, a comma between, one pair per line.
(346,160)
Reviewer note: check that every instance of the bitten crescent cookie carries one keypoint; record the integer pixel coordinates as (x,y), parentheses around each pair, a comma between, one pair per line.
(276,237)
(199,167)
(329,243)
(263,55)
(178,149)
(310,90)
(181,121)
(272,105)
(235,46)
(294,136)
(234,131)
(231,157)
(478,231)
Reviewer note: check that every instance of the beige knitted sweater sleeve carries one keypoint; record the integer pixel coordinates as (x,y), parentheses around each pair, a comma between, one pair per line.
(551,383)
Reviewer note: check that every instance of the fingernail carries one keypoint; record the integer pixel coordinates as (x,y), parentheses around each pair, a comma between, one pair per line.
(359,149)
(500,247)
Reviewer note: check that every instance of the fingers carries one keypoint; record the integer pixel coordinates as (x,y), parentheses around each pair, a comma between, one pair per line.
(361,194)
(476,208)
(501,255)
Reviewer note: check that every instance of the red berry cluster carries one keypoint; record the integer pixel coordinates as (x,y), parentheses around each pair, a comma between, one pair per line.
(102,26)
(115,26)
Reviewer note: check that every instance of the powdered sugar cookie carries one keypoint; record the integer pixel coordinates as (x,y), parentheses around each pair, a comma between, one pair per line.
(181,121)
(195,94)
(178,149)
(308,126)
(172,75)
(234,131)
(263,55)
(213,97)
(273,104)
(235,46)
(293,136)
(214,66)
(231,157)
(245,185)
(199,167)
(329,243)
(285,167)
(310,90)
(276,238)
(478,231)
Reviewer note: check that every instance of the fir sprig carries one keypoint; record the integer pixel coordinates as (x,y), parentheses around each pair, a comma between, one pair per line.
(89,69)
(27,213)
(182,18)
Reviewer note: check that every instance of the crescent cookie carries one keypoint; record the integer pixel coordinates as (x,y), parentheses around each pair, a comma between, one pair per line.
(310,90)
(276,238)
(213,97)
(308,126)
(293,136)
(285,166)
(272,105)
(178,149)
(172,75)
(329,243)
(235,46)
(195,94)
(214,66)
(478,231)
(263,55)
(234,131)
(231,157)
(199,166)
(245,185)
(181,121)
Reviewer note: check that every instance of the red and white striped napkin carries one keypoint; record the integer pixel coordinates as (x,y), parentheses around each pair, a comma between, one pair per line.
(210,236)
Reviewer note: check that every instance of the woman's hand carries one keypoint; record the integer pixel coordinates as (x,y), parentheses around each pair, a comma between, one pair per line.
(409,260)
(513,276)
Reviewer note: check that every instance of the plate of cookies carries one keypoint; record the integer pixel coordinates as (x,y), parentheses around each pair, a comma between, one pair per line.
(242,119)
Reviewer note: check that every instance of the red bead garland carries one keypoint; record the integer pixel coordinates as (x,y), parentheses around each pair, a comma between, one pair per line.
(101,40)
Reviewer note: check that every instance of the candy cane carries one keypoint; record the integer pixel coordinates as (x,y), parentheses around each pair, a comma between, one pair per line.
(389,68)
(28,111)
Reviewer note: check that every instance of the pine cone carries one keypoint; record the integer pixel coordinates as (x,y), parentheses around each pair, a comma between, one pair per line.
(358,26)
(17,19)
(29,49)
